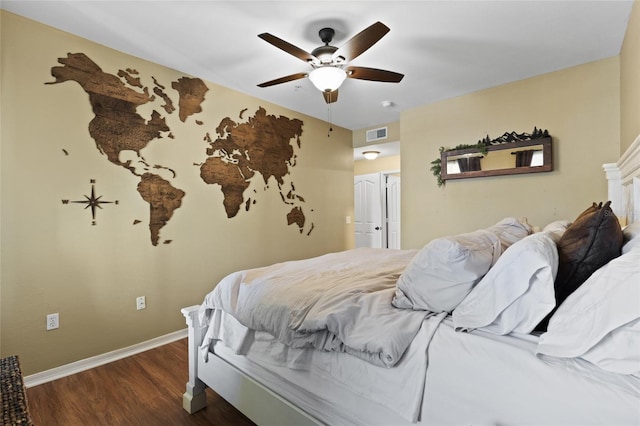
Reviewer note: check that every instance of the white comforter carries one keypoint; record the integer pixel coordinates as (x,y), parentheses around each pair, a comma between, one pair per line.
(335,302)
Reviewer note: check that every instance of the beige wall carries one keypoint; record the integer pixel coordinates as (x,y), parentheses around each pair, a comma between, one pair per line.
(53,260)
(580,108)
(382,164)
(630,81)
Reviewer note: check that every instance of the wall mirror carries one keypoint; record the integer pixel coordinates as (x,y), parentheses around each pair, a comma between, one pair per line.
(530,156)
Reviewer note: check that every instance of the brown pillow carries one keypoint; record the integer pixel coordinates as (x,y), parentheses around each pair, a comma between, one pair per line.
(590,242)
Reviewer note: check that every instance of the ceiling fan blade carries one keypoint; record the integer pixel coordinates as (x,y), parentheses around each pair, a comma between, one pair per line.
(330,97)
(283,79)
(373,74)
(361,41)
(287,47)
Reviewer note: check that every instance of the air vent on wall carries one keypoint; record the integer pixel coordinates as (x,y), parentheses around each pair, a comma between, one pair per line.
(376,134)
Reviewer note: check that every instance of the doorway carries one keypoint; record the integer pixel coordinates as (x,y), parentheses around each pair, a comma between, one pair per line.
(377,210)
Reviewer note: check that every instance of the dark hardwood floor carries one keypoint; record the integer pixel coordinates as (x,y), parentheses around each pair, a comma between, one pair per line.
(144,389)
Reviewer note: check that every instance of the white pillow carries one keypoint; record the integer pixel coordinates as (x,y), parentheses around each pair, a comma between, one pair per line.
(443,272)
(624,340)
(557,228)
(516,293)
(630,245)
(509,230)
(631,233)
(598,321)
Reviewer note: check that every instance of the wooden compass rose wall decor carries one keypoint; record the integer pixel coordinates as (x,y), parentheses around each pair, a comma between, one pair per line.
(92,202)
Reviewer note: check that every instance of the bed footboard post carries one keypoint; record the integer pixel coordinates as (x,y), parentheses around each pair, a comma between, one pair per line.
(194,398)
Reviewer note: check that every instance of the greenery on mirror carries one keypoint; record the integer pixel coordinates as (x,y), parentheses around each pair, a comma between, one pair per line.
(436,169)
(436,165)
(482,147)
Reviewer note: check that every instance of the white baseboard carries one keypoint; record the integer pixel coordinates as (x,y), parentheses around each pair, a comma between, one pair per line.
(98,360)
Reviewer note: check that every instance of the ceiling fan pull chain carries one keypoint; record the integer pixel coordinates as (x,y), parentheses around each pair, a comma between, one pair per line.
(330,122)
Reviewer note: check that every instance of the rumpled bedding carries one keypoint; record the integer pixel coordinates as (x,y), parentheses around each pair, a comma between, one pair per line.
(301,373)
(335,302)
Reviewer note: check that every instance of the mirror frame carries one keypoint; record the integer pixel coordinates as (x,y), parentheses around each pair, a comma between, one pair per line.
(547,154)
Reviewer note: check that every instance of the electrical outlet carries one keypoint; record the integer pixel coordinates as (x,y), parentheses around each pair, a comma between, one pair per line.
(53,321)
(141,302)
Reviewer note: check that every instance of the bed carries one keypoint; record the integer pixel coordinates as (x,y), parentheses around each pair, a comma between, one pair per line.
(504,325)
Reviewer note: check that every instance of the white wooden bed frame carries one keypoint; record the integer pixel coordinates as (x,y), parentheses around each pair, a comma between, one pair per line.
(623,177)
(263,406)
(254,400)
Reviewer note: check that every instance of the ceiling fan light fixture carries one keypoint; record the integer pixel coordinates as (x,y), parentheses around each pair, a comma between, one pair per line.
(371,155)
(327,78)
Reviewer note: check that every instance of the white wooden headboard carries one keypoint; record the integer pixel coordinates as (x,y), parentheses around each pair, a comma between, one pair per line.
(624,184)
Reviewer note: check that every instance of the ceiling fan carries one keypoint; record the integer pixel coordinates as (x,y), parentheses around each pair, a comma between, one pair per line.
(329,63)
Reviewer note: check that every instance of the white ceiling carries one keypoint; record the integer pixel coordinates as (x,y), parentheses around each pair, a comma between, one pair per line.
(444,48)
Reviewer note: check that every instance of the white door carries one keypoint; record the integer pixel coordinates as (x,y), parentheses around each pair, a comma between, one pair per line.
(393,211)
(368,210)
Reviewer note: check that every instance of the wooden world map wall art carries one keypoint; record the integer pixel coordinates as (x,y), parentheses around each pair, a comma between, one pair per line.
(94,202)
(259,147)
